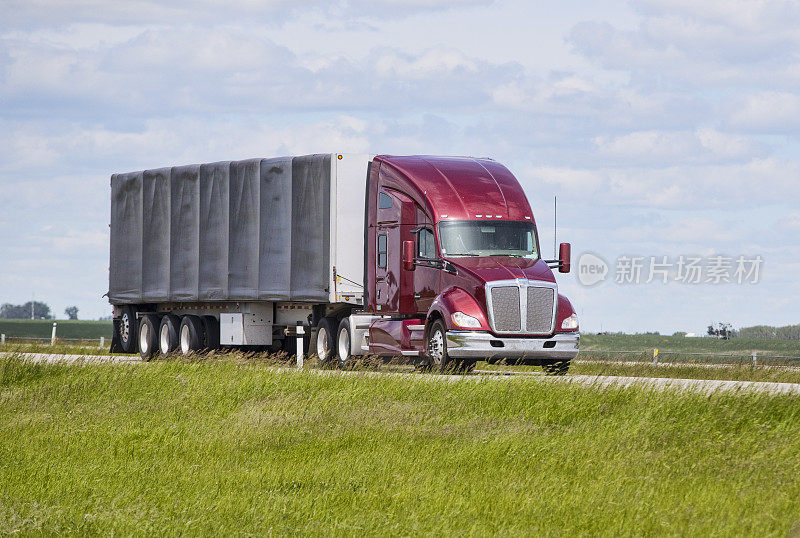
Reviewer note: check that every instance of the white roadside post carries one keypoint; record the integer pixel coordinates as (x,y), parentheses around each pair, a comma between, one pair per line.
(102,342)
(53,336)
(3,338)
(755,359)
(300,332)
(655,357)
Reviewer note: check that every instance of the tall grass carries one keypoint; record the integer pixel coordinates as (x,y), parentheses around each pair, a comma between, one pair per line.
(238,447)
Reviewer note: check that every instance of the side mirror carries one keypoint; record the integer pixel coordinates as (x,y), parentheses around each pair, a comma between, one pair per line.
(564,251)
(408,255)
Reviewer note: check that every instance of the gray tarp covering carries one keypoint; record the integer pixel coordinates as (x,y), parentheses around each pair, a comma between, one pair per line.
(241,230)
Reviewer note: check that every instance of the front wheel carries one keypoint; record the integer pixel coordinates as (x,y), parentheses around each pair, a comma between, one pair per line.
(438,359)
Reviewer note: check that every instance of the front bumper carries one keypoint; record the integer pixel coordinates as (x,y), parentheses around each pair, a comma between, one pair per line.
(484,345)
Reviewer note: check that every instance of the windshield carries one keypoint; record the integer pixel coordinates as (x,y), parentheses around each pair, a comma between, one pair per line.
(488,238)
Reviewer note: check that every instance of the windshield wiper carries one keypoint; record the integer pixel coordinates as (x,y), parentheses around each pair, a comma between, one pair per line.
(463,254)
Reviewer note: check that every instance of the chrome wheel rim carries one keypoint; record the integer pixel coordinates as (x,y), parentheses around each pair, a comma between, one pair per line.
(436,347)
(344,345)
(322,345)
(164,339)
(144,338)
(125,330)
(185,339)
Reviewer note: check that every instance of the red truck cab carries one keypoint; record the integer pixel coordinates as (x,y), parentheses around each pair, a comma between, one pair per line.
(453,268)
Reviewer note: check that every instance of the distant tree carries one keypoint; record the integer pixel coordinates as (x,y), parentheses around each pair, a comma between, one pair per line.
(722,330)
(679,333)
(789,332)
(71,312)
(11,311)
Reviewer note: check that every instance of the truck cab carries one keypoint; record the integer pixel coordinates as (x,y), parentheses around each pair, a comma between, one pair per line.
(453,269)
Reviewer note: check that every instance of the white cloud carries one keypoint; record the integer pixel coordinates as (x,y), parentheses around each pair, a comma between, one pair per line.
(704,145)
(768,111)
(680,187)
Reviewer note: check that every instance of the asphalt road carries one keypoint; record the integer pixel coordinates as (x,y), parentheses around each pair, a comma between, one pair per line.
(705,386)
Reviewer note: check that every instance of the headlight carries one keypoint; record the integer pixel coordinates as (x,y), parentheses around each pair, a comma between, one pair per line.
(463,320)
(570,323)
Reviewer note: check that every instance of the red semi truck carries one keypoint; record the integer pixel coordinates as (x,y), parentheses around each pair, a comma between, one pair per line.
(435,259)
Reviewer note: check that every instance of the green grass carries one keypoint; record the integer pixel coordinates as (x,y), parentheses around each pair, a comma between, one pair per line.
(42,328)
(732,372)
(234,447)
(646,342)
(681,349)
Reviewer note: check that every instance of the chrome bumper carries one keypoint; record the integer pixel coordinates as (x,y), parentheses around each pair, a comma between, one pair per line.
(484,345)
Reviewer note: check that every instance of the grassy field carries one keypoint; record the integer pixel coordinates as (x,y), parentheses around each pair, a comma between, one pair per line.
(224,447)
(42,328)
(679,348)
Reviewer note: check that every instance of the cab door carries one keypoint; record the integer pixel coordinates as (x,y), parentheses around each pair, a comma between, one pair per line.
(387,252)
(427,271)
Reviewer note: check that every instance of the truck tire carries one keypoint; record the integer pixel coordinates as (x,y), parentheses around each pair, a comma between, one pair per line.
(326,346)
(148,336)
(343,343)
(556,367)
(436,347)
(191,335)
(127,330)
(211,332)
(168,333)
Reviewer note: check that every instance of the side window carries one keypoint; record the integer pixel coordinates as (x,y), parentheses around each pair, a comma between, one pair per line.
(382,251)
(426,248)
(384,201)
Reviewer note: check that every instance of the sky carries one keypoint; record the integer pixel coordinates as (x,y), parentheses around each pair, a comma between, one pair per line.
(665,128)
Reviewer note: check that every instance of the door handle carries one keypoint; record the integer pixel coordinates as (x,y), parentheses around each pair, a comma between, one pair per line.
(417,296)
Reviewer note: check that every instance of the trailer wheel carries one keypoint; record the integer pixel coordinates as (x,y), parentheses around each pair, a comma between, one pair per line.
(191,335)
(127,330)
(211,331)
(326,348)
(168,334)
(343,343)
(556,368)
(148,336)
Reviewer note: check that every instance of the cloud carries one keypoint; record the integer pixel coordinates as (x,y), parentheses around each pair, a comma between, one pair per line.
(767,112)
(700,44)
(164,71)
(25,13)
(679,187)
(663,148)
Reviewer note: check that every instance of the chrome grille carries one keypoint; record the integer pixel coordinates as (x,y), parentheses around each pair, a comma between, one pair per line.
(505,309)
(540,310)
(522,306)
